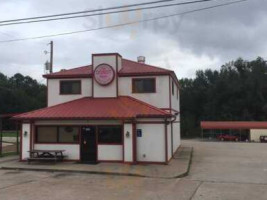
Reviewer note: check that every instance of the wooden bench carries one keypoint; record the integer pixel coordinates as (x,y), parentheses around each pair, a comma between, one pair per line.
(46,155)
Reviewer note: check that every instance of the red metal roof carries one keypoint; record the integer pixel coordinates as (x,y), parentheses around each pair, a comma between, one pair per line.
(78,72)
(128,68)
(233,125)
(97,108)
(131,67)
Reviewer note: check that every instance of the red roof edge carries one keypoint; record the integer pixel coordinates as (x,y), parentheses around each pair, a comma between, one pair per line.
(106,54)
(54,76)
(208,125)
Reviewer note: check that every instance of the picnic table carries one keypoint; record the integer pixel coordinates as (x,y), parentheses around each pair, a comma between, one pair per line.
(46,155)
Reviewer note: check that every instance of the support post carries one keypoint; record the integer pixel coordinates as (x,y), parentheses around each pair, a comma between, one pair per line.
(1,137)
(166,141)
(134,143)
(17,131)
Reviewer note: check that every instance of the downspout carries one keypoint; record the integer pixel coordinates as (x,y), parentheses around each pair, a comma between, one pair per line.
(166,141)
(175,117)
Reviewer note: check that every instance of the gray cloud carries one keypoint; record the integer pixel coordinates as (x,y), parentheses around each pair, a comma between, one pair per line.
(195,41)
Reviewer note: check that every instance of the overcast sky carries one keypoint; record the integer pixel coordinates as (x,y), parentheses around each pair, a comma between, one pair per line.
(184,44)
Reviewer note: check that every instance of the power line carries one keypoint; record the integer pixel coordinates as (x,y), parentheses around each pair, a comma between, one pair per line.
(88,11)
(124,24)
(111,12)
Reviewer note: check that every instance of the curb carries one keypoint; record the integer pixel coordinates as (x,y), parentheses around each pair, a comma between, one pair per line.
(188,167)
(103,173)
(72,171)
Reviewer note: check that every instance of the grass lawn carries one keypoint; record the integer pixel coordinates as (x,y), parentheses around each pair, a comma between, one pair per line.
(9,134)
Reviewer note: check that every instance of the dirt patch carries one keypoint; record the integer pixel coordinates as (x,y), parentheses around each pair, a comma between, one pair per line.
(9,148)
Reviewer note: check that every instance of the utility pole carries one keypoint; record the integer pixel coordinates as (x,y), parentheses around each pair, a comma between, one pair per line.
(51,56)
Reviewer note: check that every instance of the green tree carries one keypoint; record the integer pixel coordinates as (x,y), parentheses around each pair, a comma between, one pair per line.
(235,92)
(21,94)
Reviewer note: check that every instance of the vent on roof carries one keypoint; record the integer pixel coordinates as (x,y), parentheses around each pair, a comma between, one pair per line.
(141,59)
(62,70)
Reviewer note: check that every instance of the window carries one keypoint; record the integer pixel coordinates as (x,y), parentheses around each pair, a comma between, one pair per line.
(146,85)
(68,134)
(110,134)
(55,134)
(172,88)
(70,87)
(177,94)
(46,134)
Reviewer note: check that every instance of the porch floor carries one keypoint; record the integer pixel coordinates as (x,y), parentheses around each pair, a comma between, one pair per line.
(178,167)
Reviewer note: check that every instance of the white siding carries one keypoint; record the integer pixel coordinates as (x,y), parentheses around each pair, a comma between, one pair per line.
(25,141)
(175,102)
(54,96)
(256,133)
(169,135)
(159,99)
(111,89)
(72,151)
(110,152)
(151,146)
(128,143)
(176,136)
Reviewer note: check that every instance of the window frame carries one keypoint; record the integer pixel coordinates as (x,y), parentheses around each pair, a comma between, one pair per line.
(57,142)
(110,143)
(62,81)
(137,79)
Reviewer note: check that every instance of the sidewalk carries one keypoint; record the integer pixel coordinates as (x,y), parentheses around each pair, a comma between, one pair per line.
(178,167)
(8,159)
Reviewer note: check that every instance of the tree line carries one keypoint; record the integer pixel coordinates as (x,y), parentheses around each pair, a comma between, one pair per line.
(20,94)
(238,91)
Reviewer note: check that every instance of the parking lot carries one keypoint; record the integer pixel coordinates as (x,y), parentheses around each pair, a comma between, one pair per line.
(219,170)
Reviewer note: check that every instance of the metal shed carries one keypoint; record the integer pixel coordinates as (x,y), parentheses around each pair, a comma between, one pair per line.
(250,129)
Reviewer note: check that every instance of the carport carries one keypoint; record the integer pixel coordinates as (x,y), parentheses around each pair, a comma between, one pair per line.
(245,130)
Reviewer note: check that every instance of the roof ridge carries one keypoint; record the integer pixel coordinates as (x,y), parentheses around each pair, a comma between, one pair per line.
(73,68)
(147,104)
(148,65)
(33,111)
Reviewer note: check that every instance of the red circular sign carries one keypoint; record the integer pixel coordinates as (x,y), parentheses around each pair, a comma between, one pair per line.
(104,74)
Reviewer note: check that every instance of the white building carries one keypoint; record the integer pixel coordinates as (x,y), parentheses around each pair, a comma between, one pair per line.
(114,110)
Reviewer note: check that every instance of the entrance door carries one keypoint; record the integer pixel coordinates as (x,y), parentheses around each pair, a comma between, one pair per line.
(88,144)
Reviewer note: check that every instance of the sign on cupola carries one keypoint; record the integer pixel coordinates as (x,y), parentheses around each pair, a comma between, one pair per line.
(104,74)
(105,79)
